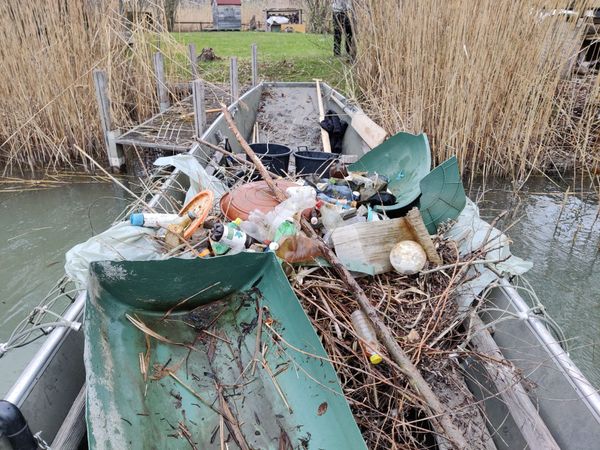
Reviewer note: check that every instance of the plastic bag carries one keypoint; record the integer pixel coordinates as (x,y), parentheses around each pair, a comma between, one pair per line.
(299,248)
(199,179)
(263,226)
(120,242)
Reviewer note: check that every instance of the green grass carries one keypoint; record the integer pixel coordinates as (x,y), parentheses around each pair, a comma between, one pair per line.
(281,56)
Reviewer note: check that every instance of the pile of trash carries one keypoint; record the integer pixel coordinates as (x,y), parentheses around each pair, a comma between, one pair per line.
(420,283)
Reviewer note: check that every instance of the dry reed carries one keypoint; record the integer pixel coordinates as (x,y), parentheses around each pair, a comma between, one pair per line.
(490,82)
(49,51)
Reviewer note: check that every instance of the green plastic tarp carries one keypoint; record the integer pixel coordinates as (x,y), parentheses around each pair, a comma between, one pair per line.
(202,359)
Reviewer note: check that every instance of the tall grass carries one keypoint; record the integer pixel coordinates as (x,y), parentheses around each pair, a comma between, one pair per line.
(489,81)
(47,99)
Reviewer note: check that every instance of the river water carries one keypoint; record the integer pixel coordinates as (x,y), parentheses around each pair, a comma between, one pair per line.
(561,236)
(37,227)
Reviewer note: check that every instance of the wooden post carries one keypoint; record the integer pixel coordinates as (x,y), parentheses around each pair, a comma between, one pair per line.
(116,159)
(193,60)
(233,79)
(199,109)
(324,134)
(254,65)
(161,86)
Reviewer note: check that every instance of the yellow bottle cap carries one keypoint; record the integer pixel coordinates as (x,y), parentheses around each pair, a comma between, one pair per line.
(375,358)
(237,221)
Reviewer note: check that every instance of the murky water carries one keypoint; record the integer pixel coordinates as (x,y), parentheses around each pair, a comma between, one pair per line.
(565,250)
(36,229)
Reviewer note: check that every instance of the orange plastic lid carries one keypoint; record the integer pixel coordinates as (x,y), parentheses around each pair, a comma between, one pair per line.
(201,205)
(242,201)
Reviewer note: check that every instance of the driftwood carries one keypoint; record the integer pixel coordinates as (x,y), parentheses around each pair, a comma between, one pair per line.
(416,222)
(511,390)
(439,418)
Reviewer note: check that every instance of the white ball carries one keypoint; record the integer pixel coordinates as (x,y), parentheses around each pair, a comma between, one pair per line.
(408,257)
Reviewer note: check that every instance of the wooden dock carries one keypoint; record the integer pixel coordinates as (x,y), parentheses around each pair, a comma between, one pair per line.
(175,127)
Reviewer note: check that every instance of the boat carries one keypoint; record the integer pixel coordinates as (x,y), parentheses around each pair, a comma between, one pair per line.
(50,393)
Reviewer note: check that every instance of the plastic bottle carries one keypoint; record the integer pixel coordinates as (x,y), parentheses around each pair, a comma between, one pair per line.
(298,248)
(339,191)
(364,329)
(330,216)
(154,220)
(231,236)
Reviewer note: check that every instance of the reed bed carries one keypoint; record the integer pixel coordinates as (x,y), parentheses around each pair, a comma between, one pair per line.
(48,54)
(493,83)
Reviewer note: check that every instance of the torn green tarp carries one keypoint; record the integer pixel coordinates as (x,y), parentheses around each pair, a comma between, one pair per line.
(283,390)
(404,159)
(442,195)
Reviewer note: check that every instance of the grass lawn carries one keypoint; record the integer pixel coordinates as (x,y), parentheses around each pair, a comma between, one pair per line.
(281,56)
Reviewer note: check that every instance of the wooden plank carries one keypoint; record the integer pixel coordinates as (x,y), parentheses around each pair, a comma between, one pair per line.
(365,247)
(324,134)
(116,158)
(161,86)
(72,431)
(199,107)
(193,60)
(532,427)
(254,65)
(415,220)
(233,79)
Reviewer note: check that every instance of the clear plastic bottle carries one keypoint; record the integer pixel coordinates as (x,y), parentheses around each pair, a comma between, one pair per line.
(364,329)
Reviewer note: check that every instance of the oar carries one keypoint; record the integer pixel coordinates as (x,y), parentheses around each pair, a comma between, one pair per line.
(324,134)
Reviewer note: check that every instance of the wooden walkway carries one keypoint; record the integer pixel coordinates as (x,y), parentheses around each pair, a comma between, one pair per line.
(174,128)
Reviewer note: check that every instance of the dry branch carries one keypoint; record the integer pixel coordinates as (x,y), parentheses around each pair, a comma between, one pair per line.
(440,418)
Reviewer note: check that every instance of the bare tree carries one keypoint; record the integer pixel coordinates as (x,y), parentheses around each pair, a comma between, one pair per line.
(171,7)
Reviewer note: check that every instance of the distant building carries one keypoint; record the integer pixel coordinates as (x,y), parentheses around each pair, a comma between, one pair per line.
(196,15)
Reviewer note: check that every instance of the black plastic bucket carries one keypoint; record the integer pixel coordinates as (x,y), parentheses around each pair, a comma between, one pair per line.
(308,162)
(275,157)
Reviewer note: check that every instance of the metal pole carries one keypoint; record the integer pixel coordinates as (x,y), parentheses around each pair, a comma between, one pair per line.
(161,87)
(233,79)
(199,109)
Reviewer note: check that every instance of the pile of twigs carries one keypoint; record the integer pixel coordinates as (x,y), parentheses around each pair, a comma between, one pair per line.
(422,313)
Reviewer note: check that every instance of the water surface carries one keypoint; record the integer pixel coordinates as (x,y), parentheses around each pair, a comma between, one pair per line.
(564,249)
(37,227)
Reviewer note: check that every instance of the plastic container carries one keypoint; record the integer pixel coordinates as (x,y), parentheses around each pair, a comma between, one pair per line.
(154,220)
(364,329)
(275,157)
(308,162)
(296,249)
(231,236)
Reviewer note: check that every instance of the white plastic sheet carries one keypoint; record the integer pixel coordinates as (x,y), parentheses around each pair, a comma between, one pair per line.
(119,243)
(199,178)
(470,232)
